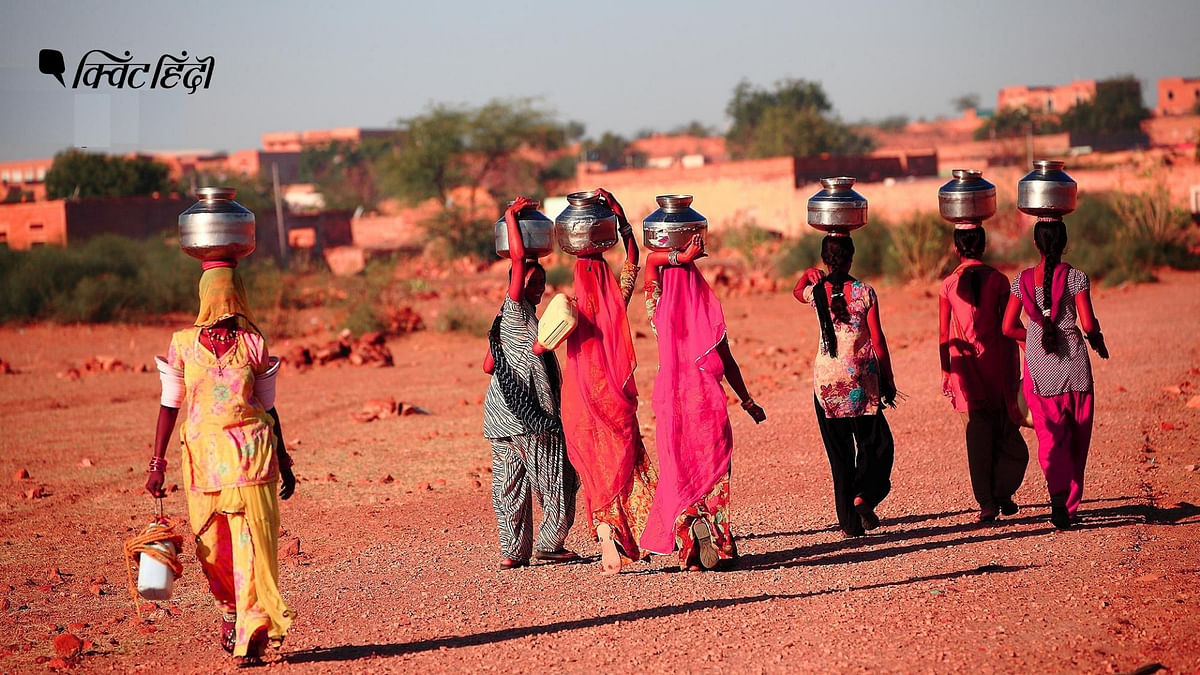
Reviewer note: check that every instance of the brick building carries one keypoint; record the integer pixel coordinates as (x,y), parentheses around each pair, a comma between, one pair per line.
(1047,99)
(23,177)
(1178,96)
(58,222)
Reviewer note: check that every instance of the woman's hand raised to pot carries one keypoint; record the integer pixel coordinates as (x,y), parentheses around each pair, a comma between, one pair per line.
(694,250)
(614,205)
(519,204)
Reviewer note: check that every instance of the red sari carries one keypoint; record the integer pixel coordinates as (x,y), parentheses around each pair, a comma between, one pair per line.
(599,409)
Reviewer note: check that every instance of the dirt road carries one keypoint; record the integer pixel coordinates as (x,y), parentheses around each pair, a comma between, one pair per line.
(396,569)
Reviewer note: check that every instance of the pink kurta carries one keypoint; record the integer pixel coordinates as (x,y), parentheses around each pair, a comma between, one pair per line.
(983,362)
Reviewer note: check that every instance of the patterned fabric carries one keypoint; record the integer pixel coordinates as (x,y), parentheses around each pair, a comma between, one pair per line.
(226,432)
(222,295)
(848,385)
(694,437)
(713,509)
(1068,369)
(983,362)
(525,467)
(599,408)
(626,514)
(237,539)
(518,331)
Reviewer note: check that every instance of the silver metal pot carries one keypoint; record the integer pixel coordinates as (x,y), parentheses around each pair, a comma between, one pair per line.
(1047,191)
(587,225)
(968,199)
(216,227)
(837,208)
(671,227)
(537,232)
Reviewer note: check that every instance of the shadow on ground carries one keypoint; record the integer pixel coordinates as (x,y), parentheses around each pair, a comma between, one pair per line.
(353,652)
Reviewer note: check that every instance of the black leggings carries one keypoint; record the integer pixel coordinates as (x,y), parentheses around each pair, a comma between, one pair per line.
(865,472)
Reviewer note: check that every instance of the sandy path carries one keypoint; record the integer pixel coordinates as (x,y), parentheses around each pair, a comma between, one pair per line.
(392,577)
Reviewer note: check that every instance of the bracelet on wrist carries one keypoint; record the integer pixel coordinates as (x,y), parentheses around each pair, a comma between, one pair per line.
(748,403)
(157,464)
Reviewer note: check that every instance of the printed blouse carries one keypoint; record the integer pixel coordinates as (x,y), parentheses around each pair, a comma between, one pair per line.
(227,435)
(847,385)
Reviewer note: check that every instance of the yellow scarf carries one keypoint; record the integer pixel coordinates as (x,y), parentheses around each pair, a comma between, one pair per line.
(222,295)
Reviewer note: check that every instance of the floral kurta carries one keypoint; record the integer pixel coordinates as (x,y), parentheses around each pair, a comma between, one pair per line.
(226,433)
(848,385)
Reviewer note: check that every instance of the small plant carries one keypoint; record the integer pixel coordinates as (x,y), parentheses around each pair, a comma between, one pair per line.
(455,319)
(922,248)
(462,236)
(748,239)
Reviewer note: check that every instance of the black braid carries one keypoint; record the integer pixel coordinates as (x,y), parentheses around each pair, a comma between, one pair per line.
(837,253)
(971,244)
(521,397)
(1050,236)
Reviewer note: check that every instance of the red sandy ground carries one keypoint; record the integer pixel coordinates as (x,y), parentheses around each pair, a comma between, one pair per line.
(392,576)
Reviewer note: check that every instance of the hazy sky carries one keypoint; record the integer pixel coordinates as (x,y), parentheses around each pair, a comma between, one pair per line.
(616,65)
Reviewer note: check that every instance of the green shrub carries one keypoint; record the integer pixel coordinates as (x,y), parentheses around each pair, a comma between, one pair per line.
(559,275)
(456,319)
(748,239)
(461,236)
(870,254)
(922,248)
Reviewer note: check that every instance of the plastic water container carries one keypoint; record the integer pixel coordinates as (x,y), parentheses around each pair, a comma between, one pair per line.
(155,580)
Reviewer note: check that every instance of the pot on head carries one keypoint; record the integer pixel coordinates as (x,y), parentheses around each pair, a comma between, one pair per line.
(587,225)
(216,227)
(537,232)
(837,209)
(968,199)
(1047,191)
(671,227)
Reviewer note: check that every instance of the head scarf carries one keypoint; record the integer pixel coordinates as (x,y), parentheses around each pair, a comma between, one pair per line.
(223,295)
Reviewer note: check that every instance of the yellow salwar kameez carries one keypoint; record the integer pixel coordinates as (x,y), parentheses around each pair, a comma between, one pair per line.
(230,465)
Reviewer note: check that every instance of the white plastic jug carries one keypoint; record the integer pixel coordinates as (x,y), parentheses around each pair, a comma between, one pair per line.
(155,580)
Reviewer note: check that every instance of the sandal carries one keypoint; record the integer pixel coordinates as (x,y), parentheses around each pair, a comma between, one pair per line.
(228,632)
(610,555)
(866,514)
(562,555)
(254,650)
(704,542)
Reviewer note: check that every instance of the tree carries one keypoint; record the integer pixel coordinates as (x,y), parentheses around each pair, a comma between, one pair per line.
(1117,108)
(499,146)
(965,102)
(694,128)
(345,173)
(450,147)
(794,119)
(1015,123)
(75,173)
(612,150)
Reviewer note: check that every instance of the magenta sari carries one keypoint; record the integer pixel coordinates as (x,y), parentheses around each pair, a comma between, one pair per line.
(695,440)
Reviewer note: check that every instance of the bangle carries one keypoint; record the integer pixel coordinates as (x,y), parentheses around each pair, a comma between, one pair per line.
(748,403)
(673,257)
(157,464)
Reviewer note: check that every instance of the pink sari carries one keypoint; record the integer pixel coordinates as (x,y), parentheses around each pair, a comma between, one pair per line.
(695,440)
(599,408)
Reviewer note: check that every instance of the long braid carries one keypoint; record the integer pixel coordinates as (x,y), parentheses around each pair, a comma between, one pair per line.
(837,253)
(971,244)
(1051,238)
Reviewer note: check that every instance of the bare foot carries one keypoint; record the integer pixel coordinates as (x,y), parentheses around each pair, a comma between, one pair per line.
(610,559)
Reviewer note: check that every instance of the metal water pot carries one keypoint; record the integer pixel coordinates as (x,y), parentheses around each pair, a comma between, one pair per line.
(968,199)
(537,232)
(837,208)
(1047,191)
(672,226)
(216,227)
(587,225)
